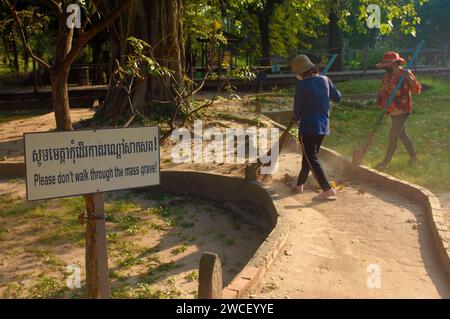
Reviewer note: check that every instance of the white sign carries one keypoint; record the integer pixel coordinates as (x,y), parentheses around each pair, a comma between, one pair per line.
(72,163)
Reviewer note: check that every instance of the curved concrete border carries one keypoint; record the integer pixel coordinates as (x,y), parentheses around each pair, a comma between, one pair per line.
(267,213)
(418,194)
(12,169)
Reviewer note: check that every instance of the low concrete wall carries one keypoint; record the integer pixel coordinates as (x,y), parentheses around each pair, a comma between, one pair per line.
(12,169)
(266,212)
(263,211)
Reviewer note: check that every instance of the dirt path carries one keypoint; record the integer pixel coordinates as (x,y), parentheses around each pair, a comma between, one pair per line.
(11,143)
(332,244)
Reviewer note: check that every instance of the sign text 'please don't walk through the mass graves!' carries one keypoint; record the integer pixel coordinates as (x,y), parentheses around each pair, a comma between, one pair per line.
(71,163)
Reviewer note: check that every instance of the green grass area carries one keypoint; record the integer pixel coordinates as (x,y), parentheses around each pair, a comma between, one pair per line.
(428,126)
(359,86)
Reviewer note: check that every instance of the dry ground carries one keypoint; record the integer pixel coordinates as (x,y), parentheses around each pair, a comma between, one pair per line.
(328,251)
(332,245)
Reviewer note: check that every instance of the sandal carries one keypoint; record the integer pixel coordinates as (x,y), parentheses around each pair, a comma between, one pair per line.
(329,195)
(298,189)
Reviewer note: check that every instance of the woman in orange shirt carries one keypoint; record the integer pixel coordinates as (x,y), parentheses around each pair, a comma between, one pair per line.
(401,106)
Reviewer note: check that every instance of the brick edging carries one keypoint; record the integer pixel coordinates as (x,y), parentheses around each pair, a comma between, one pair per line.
(249,280)
(418,194)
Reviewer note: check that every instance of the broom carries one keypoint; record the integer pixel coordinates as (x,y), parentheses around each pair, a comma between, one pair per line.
(281,141)
(359,154)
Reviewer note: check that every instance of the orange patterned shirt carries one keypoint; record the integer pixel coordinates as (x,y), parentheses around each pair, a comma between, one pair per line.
(402,100)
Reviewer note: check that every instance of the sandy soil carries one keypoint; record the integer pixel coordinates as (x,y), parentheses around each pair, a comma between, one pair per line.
(35,245)
(11,143)
(23,257)
(332,244)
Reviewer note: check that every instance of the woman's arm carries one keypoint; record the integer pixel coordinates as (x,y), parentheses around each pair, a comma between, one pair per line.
(383,94)
(412,83)
(335,95)
(298,101)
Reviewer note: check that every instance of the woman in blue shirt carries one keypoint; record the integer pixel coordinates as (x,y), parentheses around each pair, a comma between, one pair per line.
(313,93)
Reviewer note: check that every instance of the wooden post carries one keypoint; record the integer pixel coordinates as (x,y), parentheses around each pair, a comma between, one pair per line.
(210,277)
(250,172)
(97,277)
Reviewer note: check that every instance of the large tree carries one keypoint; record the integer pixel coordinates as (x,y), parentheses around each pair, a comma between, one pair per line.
(160,24)
(68,46)
(69,43)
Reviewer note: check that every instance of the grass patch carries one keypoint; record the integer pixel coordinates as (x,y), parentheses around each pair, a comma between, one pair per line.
(157,271)
(427,126)
(146,291)
(120,206)
(192,276)
(46,287)
(180,249)
(359,86)
(3,232)
(73,205)
(12,290)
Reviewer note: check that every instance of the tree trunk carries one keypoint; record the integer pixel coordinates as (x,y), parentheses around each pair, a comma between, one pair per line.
(60,99)
(59,75)
(97,59)
(26,60)
(334,37)
(15,57)
(264,22)
(159,23)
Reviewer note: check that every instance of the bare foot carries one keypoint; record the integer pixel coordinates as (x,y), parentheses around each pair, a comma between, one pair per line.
(327,195)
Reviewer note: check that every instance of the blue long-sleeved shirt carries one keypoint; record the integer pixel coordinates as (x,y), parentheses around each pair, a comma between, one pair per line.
(312,104)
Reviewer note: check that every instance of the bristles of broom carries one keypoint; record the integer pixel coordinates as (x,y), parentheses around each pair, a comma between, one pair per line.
(281,142)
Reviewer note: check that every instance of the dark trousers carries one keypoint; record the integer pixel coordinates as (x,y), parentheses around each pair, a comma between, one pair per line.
(398,131)
(310,148)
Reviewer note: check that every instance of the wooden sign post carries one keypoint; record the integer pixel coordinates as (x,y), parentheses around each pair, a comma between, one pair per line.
(61,164)
(97,275)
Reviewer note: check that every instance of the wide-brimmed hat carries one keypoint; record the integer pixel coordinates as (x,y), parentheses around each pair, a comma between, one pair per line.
(302,64)
(389,58)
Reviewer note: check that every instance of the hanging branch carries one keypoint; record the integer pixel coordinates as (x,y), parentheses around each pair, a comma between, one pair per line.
(23,36)
(85,36)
